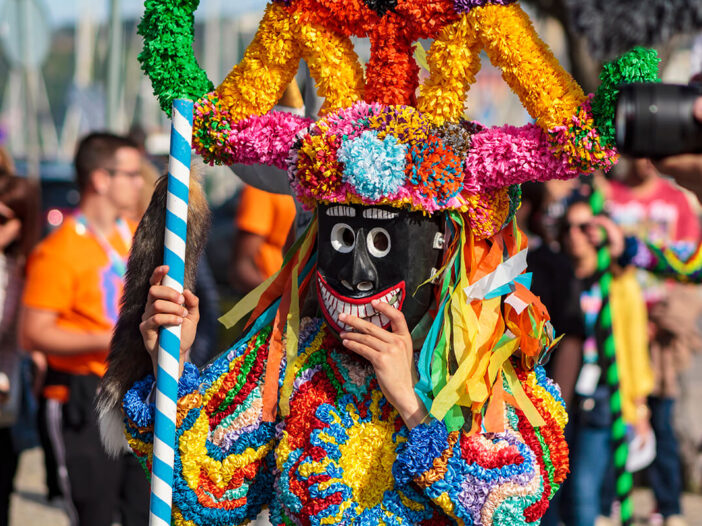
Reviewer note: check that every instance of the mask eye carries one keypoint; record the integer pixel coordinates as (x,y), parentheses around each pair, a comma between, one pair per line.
(343,238)
(378,242)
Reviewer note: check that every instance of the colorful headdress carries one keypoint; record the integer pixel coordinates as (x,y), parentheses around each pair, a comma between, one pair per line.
(428,157)
(384,139)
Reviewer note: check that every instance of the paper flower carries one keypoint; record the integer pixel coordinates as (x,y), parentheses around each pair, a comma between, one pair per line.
(374,167)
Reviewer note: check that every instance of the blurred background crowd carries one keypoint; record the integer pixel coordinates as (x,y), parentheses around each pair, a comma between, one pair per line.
(71,194)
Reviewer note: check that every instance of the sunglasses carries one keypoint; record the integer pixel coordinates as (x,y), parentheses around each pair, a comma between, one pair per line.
(567,226)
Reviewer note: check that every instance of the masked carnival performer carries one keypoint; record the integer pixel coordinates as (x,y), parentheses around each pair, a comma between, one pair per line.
(389,373)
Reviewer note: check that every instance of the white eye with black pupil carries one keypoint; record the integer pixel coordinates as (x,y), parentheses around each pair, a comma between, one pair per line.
(343,238)
(378,242)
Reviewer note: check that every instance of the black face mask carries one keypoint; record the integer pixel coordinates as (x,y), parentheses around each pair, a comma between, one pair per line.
(382,253)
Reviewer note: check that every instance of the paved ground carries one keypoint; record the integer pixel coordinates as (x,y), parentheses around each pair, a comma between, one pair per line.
(30,509)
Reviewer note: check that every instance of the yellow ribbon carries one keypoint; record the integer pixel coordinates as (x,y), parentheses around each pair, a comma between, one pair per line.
(474,334)
(521,397)
(292,331)
(246,304)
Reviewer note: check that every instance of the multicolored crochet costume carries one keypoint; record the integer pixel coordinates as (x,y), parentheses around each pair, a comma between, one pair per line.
(288,418)
(681,261)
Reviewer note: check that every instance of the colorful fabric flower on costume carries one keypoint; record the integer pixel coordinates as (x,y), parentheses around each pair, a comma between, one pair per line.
(289,419)
(343,455)
(372,154)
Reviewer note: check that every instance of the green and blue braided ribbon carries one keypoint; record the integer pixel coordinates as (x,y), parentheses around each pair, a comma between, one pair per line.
(607,349)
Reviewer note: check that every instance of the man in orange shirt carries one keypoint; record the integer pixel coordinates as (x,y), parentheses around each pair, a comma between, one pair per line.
(70,305)
(264,220)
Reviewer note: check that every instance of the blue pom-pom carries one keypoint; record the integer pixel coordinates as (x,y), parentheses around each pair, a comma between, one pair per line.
(374,167)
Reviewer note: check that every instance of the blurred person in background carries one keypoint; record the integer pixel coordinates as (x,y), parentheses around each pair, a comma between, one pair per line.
(554,282)
(590,427)
(647,206)
(264,222)
(70,304)
(18,234)
(39,366)
(565,278)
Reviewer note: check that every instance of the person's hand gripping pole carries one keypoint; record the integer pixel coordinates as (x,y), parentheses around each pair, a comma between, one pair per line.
(169,338)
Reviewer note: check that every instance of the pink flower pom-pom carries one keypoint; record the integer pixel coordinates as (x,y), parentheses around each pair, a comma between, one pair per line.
(508,155)
(264,139)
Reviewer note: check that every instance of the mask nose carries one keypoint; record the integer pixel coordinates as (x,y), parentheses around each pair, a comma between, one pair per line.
(364,275)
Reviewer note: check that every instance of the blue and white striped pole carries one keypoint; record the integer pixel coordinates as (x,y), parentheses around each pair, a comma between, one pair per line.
(169,337)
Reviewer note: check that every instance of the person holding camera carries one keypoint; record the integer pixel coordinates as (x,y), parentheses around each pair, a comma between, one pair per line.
(579,372)
(647,206)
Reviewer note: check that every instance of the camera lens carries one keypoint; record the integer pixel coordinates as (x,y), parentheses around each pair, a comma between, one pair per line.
(656,120)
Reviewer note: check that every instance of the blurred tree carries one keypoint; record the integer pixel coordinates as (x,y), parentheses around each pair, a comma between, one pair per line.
(598,30)
(584,67)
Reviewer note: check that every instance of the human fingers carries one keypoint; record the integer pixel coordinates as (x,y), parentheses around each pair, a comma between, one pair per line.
(614,234)
(192,303)
(360,349)
(366,327)
(373,343)
(163,299)
(397,319)
(166,307)
(594,233)
(157,321)
(161,292)
(158,274)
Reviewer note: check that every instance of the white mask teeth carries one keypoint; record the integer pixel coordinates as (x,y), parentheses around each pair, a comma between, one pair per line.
(334,306)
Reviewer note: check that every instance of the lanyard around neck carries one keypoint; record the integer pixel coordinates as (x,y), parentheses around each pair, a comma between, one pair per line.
(119,262)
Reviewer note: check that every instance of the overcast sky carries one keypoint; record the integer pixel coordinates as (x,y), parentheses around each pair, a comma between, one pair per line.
(65,11)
